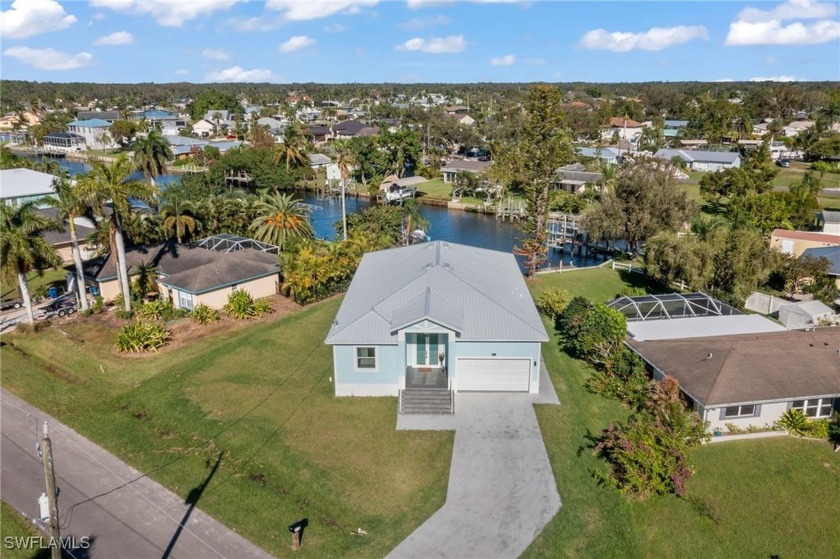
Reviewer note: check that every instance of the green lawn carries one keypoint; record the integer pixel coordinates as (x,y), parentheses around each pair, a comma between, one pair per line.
(303,453)
(57,277)
(791,175)
(13,525)
(435,189)
(747,499)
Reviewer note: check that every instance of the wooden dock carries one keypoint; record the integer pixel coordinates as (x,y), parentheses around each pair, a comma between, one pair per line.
(563,229)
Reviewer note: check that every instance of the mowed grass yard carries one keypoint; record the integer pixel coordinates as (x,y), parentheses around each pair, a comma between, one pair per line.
(300,454)
(761,498)
(13,525)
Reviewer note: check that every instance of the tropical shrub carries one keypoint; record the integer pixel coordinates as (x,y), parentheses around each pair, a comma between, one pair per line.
(98,305)
(817,429)
(794,422)
(834,428)
(159,309)
(242,306)
(623,377)
(591,331)
(204,314)
(142,336)
(649,453)
(123,314)
(551,302)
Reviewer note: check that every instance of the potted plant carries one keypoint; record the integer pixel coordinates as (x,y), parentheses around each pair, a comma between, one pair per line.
(718,432)
(441,357)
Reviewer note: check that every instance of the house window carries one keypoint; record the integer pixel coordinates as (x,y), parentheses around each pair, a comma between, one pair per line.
(185,300)
(366,358)
(817,407)
(740,411)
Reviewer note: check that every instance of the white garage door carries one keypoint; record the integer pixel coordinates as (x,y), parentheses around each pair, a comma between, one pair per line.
(501,375)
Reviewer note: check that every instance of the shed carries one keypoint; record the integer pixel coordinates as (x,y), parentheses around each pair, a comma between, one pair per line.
(805,314)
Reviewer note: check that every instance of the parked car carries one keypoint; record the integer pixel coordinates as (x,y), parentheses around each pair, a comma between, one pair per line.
(783,163)
(59,308)
(10,304)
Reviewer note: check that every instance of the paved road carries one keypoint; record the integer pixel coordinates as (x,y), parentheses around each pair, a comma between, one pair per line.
(501,488)
(138,521)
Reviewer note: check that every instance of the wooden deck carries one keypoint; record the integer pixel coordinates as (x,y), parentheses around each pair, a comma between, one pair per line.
(426,377)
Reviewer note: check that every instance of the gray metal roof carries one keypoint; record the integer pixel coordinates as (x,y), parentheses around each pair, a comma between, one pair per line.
(466,165)
(698,156)
(17,183)
(319,159)
(701,327)
(478,293)
(830,216)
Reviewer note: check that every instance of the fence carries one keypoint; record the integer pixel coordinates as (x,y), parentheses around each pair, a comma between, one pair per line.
(628,267)
(763,303)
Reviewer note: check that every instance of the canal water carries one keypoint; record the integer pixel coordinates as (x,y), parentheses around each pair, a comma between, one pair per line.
(457,226)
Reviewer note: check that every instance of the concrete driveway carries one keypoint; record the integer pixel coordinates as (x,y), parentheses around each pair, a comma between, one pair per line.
(501,487)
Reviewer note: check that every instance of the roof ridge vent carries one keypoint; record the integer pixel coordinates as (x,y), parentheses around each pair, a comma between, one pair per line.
(446,265)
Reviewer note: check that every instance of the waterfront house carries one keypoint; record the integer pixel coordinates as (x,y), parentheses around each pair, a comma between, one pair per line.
(575,179)
(24,185)
(93,131)
(453,168)
(321,161)
(203,128)
(436,316)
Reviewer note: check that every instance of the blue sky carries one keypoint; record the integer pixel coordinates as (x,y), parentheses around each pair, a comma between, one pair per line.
(287,41)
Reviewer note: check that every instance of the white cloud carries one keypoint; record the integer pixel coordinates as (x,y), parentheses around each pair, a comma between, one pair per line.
(27,18)
(435,45)
(181,72)
(778,79)
(656,38)
(50,59)
(302,10)
(168,13)
(261,23)
(335,28)
(296,43)
(116,38)
(216,54)
(415,4)
(767,27)
(424,22)
(506,60)
(723,80)
(239,74)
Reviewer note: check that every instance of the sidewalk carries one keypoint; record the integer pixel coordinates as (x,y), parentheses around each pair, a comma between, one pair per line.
(138,521)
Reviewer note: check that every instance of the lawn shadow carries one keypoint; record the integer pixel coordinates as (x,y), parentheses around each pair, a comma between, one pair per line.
(191,500)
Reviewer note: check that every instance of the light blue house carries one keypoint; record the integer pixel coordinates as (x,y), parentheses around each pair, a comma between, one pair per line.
(436,316)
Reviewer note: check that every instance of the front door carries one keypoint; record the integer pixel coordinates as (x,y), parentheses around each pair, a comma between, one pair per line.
(427,349)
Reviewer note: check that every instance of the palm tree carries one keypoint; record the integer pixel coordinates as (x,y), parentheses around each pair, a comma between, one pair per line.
(23,249)
(71,205)
(346,160)
(151,154)
(281,217)
(293,148)
(146,280)
(176,217)
(110,182)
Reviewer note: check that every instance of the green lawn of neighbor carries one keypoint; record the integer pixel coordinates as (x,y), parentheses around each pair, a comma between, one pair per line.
(792,175)
(747,499)
(301,454)
(435,189)
(57,277)
(13,525)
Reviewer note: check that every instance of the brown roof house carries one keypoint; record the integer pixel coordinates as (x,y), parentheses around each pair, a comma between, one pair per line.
(751,379)
(207,271)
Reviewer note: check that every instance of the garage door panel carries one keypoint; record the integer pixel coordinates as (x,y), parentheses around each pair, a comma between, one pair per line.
(499,375)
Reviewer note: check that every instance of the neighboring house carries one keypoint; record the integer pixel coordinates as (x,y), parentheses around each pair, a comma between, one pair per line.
(463,119)
(353,129)
(439,316)
(10,121)
(624,128)
(18,186)
(321,161)
(607,156)
(574,178)
(806,314)
(109,116)
(205,272)
(830,221)
(698,160)
(275,127)
(203,128)
(693,144)
(453,168)
(63,141)
(319,134)
(797,242)
(832,254)
(92,131)
(797,127)
(751,379)
(60,240)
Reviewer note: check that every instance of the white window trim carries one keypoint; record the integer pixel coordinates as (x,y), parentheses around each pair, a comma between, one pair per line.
(755,413)
(356,368)
(820,402)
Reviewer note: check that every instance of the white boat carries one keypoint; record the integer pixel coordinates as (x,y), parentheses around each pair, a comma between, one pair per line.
(397,193)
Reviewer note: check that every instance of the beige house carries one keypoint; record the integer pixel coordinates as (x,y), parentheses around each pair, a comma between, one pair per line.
(797,242)
(207,271)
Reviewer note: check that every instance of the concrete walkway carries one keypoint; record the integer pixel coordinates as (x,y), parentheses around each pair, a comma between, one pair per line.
(501,488)
(138,521)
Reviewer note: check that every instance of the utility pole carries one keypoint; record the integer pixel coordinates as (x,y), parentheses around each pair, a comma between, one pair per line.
(49,475)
